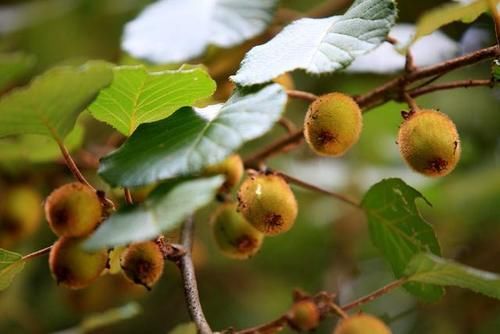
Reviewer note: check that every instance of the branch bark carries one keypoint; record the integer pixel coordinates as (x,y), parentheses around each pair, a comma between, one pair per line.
(189,279)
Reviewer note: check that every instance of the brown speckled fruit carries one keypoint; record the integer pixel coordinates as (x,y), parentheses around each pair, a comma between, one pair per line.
(143,263)
(428,141)
(231,168)
(73,210)
(304,316)
(234,235)
(362,324)
(20,214)
(268,203)
(73,267)
(332,124)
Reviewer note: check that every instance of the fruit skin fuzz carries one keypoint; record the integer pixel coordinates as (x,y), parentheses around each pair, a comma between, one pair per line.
(333,124)
(232,168)
(304,315)
(234,235)
(362,324)
(268,203)
(74,268)
(73,210)
(429,142)
(143,263)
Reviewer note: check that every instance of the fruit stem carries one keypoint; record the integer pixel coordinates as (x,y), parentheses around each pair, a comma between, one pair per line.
(338,310)
(374,295)
(312,187)
(37,253)
(72,165)
(301,95)
(186,267)
(128,196)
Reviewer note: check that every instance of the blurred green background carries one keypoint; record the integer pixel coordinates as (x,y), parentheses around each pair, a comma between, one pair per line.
(328,249)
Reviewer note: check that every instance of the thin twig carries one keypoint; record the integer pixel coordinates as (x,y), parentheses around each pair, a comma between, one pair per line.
(274,148)
(449,85)
(270,327)
(37,253)
(312,187)
(410,101)
(128,196)
(301,95)
(189,279)
(72,165)
(338,310)
(287,125)
(374,295)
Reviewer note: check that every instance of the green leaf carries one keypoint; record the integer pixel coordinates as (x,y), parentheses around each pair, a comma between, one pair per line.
(430,269)
(193,138)
(399,231)
(11,264)
(174,31)
(164,210)
(50,105)
(320,45)
(186,328)
(448,13)
(14,66)
(137,96)
(109,317)
(36,148)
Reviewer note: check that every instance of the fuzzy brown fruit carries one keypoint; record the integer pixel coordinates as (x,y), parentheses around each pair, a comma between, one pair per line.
(332,124)
(362,324)
(268,203)
(231,168)
(73,267)
(234,235)
(429,143)
(304,315)
(20,214)
(73,210)
(143,263)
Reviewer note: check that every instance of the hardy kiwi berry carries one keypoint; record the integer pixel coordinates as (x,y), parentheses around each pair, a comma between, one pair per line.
(304,315)
(234,235)
(73,267)
(20,214)
(429,143)
(143,263)
(268,203)
(362,324)
(332,124)
(73,210)
(231,168)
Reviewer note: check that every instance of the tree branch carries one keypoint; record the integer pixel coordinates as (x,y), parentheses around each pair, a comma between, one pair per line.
(374,295)
(449,85)
(189,279)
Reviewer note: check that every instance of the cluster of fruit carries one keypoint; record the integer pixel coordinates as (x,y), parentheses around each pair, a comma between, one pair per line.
(428,140)
(73,212)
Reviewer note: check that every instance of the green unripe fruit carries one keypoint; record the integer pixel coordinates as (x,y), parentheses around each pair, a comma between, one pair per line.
(268,203)
(362,324)
(20,214)
(428,141)
(234,235)
(73,267)
(304,316)
(231,168)
(333,124)
(73,210)
(143,263)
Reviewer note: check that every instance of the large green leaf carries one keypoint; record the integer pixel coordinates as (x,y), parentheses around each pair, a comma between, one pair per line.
(320,45)
(167,207)
(399,231)
(50,105)
(10,265)
(192,138)
(13,66)
(430,269)
(36,148)
(137,96)
(174,31)
(448,13)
